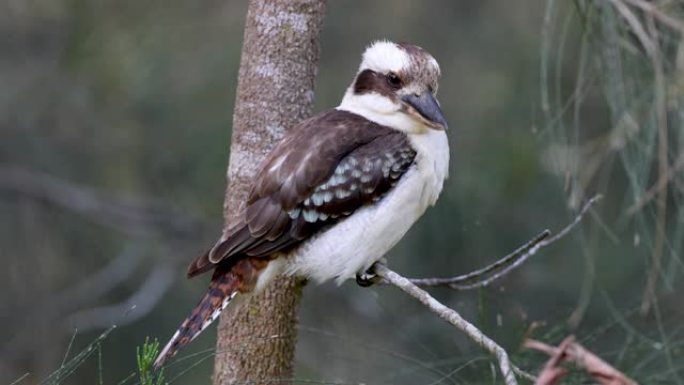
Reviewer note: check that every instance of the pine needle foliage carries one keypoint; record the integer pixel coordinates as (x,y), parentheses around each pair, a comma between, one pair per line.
(146,355)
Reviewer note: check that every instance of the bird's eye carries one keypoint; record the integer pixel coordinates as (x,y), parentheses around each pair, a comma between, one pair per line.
(393,80)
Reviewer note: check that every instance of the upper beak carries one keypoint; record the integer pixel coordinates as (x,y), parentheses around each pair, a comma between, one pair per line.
(428,108)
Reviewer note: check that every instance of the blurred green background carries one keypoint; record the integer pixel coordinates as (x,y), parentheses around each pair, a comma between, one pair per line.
(115,121)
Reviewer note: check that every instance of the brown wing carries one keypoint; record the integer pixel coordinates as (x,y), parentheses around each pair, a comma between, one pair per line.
(329,167)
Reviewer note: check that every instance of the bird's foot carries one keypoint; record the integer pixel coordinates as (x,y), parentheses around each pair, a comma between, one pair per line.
(369,278)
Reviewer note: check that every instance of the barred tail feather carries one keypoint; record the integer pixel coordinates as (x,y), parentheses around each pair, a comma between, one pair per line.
(222,290)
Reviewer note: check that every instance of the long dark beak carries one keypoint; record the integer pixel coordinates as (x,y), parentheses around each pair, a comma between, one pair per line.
(428,108)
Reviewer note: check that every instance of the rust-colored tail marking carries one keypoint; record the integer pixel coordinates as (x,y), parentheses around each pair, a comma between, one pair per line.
(221,291)
(226,283)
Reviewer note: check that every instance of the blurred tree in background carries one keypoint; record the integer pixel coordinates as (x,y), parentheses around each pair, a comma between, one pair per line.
(114,135)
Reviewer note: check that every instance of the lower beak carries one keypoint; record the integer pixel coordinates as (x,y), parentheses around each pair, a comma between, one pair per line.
(427,107)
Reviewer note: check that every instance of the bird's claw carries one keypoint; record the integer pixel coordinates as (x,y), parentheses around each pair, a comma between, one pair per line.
(368,278)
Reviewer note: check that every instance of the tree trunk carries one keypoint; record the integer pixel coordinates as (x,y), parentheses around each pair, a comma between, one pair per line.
(256,342)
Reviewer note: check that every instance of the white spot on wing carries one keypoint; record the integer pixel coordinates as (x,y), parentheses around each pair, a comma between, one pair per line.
(294,214)
(342,193)
(317,199)
(310,216)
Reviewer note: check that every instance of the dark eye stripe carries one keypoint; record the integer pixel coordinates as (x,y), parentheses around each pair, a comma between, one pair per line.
(370,81)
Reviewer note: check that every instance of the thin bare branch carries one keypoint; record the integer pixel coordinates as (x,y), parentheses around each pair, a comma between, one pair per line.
(132,217)
(508,263)
(654,11)
(451,316)
(477,274)
(75,304)
(133,308)
(89,288)
(636,26)
(661,184)
(649,295)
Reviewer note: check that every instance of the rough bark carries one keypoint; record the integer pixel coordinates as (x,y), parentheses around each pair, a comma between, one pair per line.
(256,342)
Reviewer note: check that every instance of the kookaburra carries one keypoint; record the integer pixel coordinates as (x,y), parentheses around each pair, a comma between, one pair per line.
(339,191)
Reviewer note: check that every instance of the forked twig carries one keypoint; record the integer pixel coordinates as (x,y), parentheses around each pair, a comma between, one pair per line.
(661,16)
(508,263)
(455,282)
(134,217)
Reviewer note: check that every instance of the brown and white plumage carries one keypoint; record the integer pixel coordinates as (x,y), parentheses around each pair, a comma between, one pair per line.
(298,191)
(339,191)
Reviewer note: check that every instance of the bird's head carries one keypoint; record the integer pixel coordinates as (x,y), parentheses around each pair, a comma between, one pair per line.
(396,86)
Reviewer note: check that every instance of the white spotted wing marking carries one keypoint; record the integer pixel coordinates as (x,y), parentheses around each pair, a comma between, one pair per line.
(356,178)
